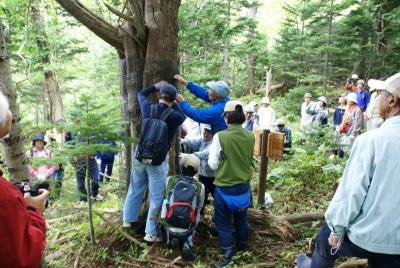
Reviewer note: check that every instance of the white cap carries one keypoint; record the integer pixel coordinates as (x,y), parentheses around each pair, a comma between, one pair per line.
(253,103)
(207,126)
(191,160)
(354,76)
(265,100)
(375,84)
(392,84)
(280,122)
(352,97)
(248,109)
(361,82)
(3,109)
(230,106)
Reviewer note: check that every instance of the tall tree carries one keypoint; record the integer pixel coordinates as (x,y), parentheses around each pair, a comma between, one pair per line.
(147,45)
(56,107)
(13,144)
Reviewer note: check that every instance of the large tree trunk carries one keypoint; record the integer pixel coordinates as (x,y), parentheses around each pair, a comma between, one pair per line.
(225,67)
(162,60)
(56,106)
(13,145)
(328,43)
(251,59)
(147,44)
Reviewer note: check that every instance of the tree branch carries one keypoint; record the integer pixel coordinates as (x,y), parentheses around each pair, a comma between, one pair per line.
(93,22)
(119,14)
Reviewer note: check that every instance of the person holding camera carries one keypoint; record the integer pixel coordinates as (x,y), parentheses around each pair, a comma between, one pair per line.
(22,226)
(351,83)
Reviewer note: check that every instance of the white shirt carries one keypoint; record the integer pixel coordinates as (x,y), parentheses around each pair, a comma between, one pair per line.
(214,153)
(306,118)
(266,117)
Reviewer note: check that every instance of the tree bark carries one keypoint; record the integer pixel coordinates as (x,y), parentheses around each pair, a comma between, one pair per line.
(56,106)
(327,49)
(96,24)
(13,145)
(225,68)
(251,59)
(162,62)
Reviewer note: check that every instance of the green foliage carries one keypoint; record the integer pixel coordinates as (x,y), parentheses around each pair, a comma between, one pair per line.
(202,41)
(308,171)
(362,40)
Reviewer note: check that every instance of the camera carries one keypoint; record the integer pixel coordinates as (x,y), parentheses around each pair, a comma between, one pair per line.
(33,189)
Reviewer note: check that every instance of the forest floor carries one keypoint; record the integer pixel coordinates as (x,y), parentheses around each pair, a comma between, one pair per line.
(68,243)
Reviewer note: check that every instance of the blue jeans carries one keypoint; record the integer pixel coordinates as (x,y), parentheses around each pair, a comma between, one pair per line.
(223,218)
(322,257)
(58,175)
(154,178)
(106,162)
(80,170)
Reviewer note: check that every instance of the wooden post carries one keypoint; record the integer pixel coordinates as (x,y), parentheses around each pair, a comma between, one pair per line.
(263,168)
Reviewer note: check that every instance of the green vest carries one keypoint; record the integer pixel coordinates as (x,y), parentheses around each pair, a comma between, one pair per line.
(237,146)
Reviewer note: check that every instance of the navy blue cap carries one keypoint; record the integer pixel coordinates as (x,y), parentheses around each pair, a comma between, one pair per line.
(168,91)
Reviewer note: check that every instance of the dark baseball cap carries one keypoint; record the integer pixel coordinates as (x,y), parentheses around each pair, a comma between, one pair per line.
(168,92)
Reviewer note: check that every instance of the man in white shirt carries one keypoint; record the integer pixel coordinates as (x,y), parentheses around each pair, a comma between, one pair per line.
(266,114)
(306,118)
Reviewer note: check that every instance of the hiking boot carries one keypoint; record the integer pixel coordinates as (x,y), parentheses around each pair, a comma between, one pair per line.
(152,238)
(187,252)
(98,197)
(228,254)
(241,246)
(213,231)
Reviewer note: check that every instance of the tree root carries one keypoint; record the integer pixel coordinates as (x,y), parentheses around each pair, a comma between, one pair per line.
(173,262)
(354,263)
(303,217)
(120,231)
(265,221)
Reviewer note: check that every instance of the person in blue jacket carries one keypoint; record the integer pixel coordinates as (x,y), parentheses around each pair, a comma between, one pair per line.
(217,95)
(106,160)
(363,97)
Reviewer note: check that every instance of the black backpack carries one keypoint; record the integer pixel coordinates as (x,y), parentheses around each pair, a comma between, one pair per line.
(181,209)
(153,144)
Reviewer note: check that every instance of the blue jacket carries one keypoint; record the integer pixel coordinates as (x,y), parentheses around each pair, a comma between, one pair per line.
(288,136)
(200,148)
(338,115)
(174,120)
(107,154)
(362,99)
(212,115)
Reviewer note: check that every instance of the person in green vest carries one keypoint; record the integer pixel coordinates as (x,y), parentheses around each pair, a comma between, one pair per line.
(231,154)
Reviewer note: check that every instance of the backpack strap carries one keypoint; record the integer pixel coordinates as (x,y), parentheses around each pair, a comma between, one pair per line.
(154,111)
(164,115)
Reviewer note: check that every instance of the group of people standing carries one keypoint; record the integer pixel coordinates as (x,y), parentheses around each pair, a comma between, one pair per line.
(51,175)
(224,154)
(360,221)
(357,109)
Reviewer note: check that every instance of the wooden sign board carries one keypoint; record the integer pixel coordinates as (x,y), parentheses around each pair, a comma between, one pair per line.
(275,145)
(257,144)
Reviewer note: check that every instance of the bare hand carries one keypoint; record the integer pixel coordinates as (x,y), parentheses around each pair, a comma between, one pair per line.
(333,240)
(179,98)
(180,80)
(160,84)
(38,202)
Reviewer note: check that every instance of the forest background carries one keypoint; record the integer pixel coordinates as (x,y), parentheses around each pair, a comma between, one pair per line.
(311,46)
